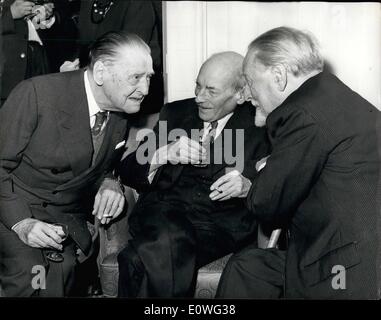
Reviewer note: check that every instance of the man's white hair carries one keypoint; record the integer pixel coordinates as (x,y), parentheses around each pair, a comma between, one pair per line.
(297,50)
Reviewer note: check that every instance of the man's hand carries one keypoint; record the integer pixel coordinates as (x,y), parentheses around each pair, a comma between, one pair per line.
(231,185)
(185,151)
(38,234)
(109,201)
(49,9)
(70,65)
(43,16)
(21,8)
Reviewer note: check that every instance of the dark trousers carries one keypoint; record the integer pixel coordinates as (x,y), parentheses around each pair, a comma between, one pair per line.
(253,273)
(169,244)
(23,268)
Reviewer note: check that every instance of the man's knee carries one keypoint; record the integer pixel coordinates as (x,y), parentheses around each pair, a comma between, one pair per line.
(127,259)
(131,273)
(253,273)
(125,256)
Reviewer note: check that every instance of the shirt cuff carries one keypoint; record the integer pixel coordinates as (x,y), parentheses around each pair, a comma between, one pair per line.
(15,225)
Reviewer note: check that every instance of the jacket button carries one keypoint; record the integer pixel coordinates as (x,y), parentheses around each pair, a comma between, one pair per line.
(54,171)
(23,55)
(44,204)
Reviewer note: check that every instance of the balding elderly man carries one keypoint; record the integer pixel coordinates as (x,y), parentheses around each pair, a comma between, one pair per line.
(320,181)
(176,226)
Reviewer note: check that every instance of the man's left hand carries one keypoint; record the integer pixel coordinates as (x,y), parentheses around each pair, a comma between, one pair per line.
(49,7)
(231,185)
(109,201)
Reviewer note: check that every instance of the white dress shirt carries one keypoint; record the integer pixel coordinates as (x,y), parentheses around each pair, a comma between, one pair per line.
(93,106)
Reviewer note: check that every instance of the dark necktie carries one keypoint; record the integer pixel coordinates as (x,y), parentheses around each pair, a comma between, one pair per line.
(100,118)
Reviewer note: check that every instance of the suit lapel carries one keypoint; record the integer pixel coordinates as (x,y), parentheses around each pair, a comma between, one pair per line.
(115,130)
(72,113)
(192,122)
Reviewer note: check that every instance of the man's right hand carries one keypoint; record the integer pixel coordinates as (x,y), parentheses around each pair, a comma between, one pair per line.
(21,8)
(185,151)
(38,234)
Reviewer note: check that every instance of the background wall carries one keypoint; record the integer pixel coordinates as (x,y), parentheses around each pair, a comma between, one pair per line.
(349,36)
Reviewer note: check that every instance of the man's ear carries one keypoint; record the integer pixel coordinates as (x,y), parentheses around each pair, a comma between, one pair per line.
(279,73)
(98,72)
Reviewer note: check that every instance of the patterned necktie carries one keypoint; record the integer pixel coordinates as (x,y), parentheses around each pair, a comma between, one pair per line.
(209,138)
(100,118)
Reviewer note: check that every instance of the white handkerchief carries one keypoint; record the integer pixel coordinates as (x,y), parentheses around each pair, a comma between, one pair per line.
(120,144)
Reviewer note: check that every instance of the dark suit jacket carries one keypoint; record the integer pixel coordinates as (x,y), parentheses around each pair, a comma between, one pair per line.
(46,153)
(321,181)
(183,114)
(14,45)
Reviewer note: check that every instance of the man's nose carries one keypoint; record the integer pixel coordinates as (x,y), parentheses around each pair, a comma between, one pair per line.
(200,97)
(144,86)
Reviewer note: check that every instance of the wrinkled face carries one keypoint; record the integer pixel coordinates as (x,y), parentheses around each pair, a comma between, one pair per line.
(263,93)
(126,81)
(215,92)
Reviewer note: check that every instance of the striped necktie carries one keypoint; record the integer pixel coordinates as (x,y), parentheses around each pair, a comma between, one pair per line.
(100,118)
(209,138)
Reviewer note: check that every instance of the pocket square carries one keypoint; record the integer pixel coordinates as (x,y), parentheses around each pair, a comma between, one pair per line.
(261,164)
(120,144)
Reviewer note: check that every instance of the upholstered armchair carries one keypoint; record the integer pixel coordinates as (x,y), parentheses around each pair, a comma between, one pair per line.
(208,277)
(113,239)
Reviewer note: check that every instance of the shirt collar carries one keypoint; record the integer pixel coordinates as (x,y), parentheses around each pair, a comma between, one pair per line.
(93,106)
(220,122)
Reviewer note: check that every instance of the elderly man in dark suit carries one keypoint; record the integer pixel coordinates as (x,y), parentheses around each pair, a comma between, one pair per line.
(60,137)
(176,227)
(320,180)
